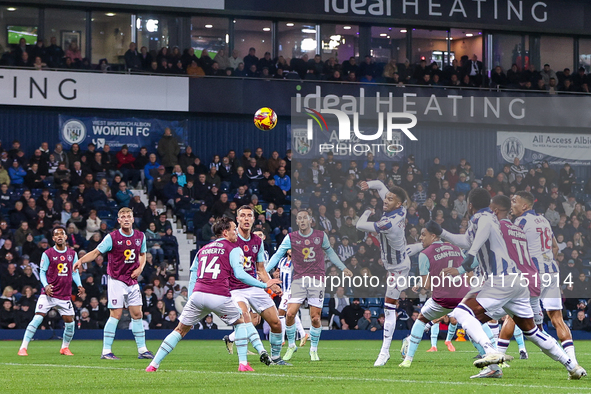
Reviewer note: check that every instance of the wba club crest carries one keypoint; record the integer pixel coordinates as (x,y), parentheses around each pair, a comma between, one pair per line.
(128,243)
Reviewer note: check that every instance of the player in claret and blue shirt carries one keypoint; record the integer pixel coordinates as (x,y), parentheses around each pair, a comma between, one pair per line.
(213,267)
(56,275)
(126,250)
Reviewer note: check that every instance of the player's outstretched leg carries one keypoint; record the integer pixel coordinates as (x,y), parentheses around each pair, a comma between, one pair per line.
(29,333)
(416,335)
(451,332)
(108,338)
(389,328)
(434,335)
(166,347)
(549,346)
(466,317)
(68,335)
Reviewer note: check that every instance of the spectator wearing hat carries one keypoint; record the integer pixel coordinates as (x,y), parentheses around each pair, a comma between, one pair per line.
(351,314)
(85,322)
(208,324)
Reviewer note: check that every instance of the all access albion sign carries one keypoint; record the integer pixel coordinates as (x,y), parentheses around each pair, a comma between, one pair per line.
(93,90)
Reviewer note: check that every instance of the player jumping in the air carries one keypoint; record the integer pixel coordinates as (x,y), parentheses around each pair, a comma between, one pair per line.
(542,247)
(126,250)
(56,275)
(211,271)
(390,229)
(517,246)
(499,294)
(258,299)
(308,247)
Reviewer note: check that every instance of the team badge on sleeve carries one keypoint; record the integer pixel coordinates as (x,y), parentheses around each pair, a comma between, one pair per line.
(384,224)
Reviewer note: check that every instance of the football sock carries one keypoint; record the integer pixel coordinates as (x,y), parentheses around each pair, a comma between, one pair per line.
(276,340)
(518,334)
(494,328)
(315,338)
(473,327)
(416,335)
(451,332)
(137,327)
(232,336)
(569,348)
(290,332)
(68,334)
(31,330)
(253,336)
(549,347)
(299,327)
(389,326)
(434,335)
(503,344)
(109,334)
(282,320)
(241,342)
(166,347)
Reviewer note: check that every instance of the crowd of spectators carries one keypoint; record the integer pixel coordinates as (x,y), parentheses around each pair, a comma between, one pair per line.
(83,190)
(328,190)
(464,72)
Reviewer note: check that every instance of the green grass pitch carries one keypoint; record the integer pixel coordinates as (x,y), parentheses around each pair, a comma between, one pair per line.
(345,367)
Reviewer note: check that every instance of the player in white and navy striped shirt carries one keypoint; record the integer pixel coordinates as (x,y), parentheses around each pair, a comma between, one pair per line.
(494,298)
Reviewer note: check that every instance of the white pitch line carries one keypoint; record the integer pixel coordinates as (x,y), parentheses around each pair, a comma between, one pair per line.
(280,375)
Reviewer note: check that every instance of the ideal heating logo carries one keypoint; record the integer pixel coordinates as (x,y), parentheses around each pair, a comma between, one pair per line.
(390,119)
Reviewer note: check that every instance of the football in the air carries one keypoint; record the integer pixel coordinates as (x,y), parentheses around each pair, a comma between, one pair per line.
(265,119)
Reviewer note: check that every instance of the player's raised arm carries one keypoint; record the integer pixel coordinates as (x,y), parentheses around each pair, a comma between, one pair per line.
(281,251)
(365,225)
(414,249)
(375,185)
(333,257)
(460,240)
(105,246)
(236,261)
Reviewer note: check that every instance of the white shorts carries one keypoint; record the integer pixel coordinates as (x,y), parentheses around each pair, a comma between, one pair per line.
(312,290)
(257,298)
(200,305)
(537,310)
(499,301)
(396,283)
(45,303)
(123,296)
(550,295)
(433,311)
(284,299)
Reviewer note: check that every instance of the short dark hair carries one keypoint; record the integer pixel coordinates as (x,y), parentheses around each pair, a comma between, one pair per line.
(502,201)
(400,193)
(479,198)
(58,228)
(222,225)
(527,196)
